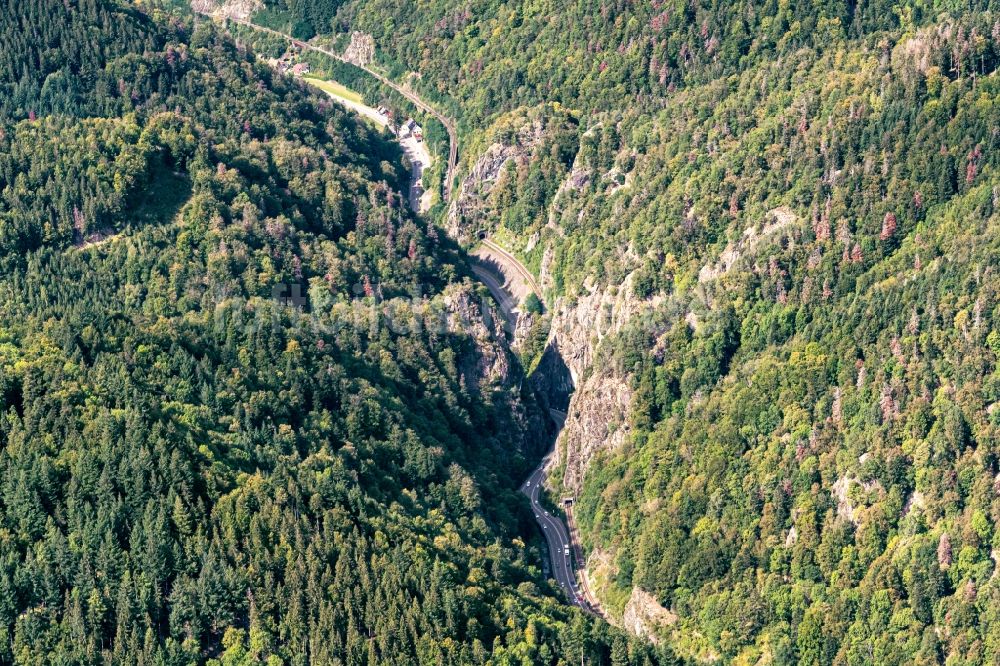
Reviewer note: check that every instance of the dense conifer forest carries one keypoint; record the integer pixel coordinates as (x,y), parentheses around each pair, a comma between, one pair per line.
(244,416)
(802,200)
(252,411)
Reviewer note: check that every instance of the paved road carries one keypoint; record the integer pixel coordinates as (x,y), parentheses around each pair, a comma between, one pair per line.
(494,266)
(497,279)
(555,531)
(525,274)
(507,303)
(557,535)
(416,152)
(448,123)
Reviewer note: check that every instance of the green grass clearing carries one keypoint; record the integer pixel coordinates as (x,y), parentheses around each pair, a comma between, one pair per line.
(335,89)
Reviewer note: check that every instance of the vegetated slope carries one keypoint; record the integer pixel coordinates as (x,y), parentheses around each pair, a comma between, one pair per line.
(228,433)
(777,294)
(485,57)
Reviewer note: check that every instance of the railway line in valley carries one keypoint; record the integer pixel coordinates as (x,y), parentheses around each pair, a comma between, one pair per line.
(414,98)
(561,536)
(565,552)
(511,261)
(564,548)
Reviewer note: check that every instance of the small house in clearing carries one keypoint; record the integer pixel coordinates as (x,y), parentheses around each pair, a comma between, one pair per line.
(300,68)
(411,128)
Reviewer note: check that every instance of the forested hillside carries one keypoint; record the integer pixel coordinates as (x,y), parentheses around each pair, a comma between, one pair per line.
(768,234)
(250,408)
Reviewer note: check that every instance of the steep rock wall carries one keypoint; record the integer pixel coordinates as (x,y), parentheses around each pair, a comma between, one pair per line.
(235,9)
(597,418)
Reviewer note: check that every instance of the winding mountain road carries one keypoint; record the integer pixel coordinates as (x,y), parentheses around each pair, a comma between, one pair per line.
(510,260)
(554,529)
(508,304)
(564,551)
(448,123)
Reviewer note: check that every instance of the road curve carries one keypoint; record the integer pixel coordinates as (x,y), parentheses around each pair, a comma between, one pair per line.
(556,536)
(556,533)
(518,266)
(507,303)
(562,542)
(448,123)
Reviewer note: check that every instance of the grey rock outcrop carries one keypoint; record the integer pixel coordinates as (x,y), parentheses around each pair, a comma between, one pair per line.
(234,9)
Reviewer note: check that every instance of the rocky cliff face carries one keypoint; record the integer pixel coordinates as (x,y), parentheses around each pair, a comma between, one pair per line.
(235,9)
(490,369)
(464,218)
(597,418)
(643,615)
(491,365)
(575,374)
(597,412)
(361,50)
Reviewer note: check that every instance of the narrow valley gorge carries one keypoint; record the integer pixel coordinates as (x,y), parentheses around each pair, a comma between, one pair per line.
(492,333)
